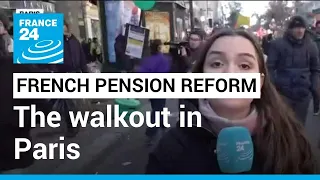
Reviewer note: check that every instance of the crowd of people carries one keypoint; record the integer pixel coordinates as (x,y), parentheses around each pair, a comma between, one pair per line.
(289,80)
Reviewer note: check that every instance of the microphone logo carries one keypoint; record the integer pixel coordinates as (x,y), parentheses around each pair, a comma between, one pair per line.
(235,150)
(245,153)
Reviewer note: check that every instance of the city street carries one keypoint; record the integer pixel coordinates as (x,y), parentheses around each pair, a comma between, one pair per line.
(131,155)
(117,150)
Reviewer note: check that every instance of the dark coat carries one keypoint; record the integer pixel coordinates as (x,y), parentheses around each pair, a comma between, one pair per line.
(191,150)
(123,61)
(9,129)
(316,38)
(182,64)
(74,56)
(294,66)
(266,43)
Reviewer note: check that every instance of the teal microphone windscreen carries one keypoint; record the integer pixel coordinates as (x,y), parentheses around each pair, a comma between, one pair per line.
(235,150)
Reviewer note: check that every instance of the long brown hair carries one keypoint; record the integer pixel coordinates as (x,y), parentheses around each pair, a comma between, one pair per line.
(281,140)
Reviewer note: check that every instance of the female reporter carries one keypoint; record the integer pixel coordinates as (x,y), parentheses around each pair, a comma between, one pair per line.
(280,144)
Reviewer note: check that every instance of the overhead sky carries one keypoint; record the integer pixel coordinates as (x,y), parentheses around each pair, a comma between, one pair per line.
(251,7)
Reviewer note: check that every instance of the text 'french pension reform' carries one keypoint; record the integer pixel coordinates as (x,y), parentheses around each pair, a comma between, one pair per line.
(137,85)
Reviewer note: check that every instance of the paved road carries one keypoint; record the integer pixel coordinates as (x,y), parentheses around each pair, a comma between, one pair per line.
(92,142)
(117,150)
(131,156)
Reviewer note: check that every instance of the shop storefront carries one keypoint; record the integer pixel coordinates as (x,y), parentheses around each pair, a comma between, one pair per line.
(168,19)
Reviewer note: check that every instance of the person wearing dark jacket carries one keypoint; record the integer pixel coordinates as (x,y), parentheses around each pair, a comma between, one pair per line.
(316,37)
(4,28)
(293,63)
(74,57)
(266,42)
(280,143)
(125,64)
(9,128)
(74,62)
(196,39)
(86,49)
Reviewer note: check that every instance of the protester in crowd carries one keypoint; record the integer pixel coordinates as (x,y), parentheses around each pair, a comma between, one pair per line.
(156,63)
(74,57)
(74,62)
(190,54)
(195,41)
(316,101)
(4,28)
(293,64)
(95,50)
(86,43)
(9,127)
(279,139)
(124,63)
(266,42)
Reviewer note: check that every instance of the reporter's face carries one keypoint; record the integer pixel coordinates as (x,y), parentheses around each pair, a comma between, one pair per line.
(238,57)
(194,41)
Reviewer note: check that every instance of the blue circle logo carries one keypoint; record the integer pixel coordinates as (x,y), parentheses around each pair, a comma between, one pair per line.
(43,52)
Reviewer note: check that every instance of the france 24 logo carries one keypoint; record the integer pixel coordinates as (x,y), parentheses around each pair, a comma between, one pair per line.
(38,38)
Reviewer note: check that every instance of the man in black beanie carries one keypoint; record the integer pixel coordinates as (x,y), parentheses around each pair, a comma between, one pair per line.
(293,64)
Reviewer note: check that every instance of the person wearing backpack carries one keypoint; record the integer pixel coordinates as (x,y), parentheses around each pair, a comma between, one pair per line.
(293,64)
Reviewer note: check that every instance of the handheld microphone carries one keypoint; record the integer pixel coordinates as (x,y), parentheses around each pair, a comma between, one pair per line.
(235,150)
